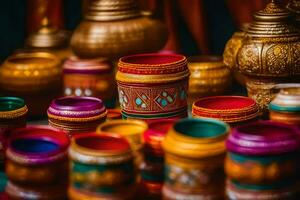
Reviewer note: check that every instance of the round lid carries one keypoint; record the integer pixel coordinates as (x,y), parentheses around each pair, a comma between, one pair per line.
(226,108)
(76,107)
(263,138)
(196,138)
(287,100)
(37,145)
(273,21)
(87,66)
(47,37)
(11,104)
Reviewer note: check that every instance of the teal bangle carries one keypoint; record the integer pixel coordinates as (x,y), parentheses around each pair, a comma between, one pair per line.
(11,103)
(3,181)
(275,107)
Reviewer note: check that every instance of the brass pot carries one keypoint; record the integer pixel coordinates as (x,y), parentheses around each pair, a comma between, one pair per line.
(270,52)
(208,76)
(34,76)
(114,28)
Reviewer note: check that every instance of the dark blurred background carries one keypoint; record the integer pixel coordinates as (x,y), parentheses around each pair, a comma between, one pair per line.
(195,26)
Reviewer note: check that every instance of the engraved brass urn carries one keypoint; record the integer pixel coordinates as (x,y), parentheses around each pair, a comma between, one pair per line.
(270,53)
(114,28)
(294,7)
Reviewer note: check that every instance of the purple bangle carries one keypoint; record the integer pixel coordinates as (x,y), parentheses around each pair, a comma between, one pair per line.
(37,145)
(263,138)
(77,107)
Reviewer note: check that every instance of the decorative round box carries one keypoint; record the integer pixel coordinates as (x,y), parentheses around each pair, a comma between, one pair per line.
(285,107)
(132,130)
(76,114)
(194,157)
(37,163)
(35,76)
(13,112)
(263,153)
(101,164)
(209,76)
(237,191)
(153,86)
(90,77)
(231,109)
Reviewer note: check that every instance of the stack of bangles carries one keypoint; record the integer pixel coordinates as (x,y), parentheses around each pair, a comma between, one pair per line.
(102,167)
(286,106)
(262,161)
(37,164)
(76,114)
(195,148)
(152,169)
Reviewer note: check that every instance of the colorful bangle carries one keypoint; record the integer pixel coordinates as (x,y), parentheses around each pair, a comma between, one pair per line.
(235,191)
(80,194)
(38,154)
(101,162)
(230,109)
(19,192)
(170,194)
(13,112)
(76,114)
(195,148)
(263,153)
(261,170)
(263,138)
(130,129)
(154,136)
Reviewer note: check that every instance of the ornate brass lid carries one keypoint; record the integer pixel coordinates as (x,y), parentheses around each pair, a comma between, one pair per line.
(47,37)
(273,21)
(294,7)
(111,10)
